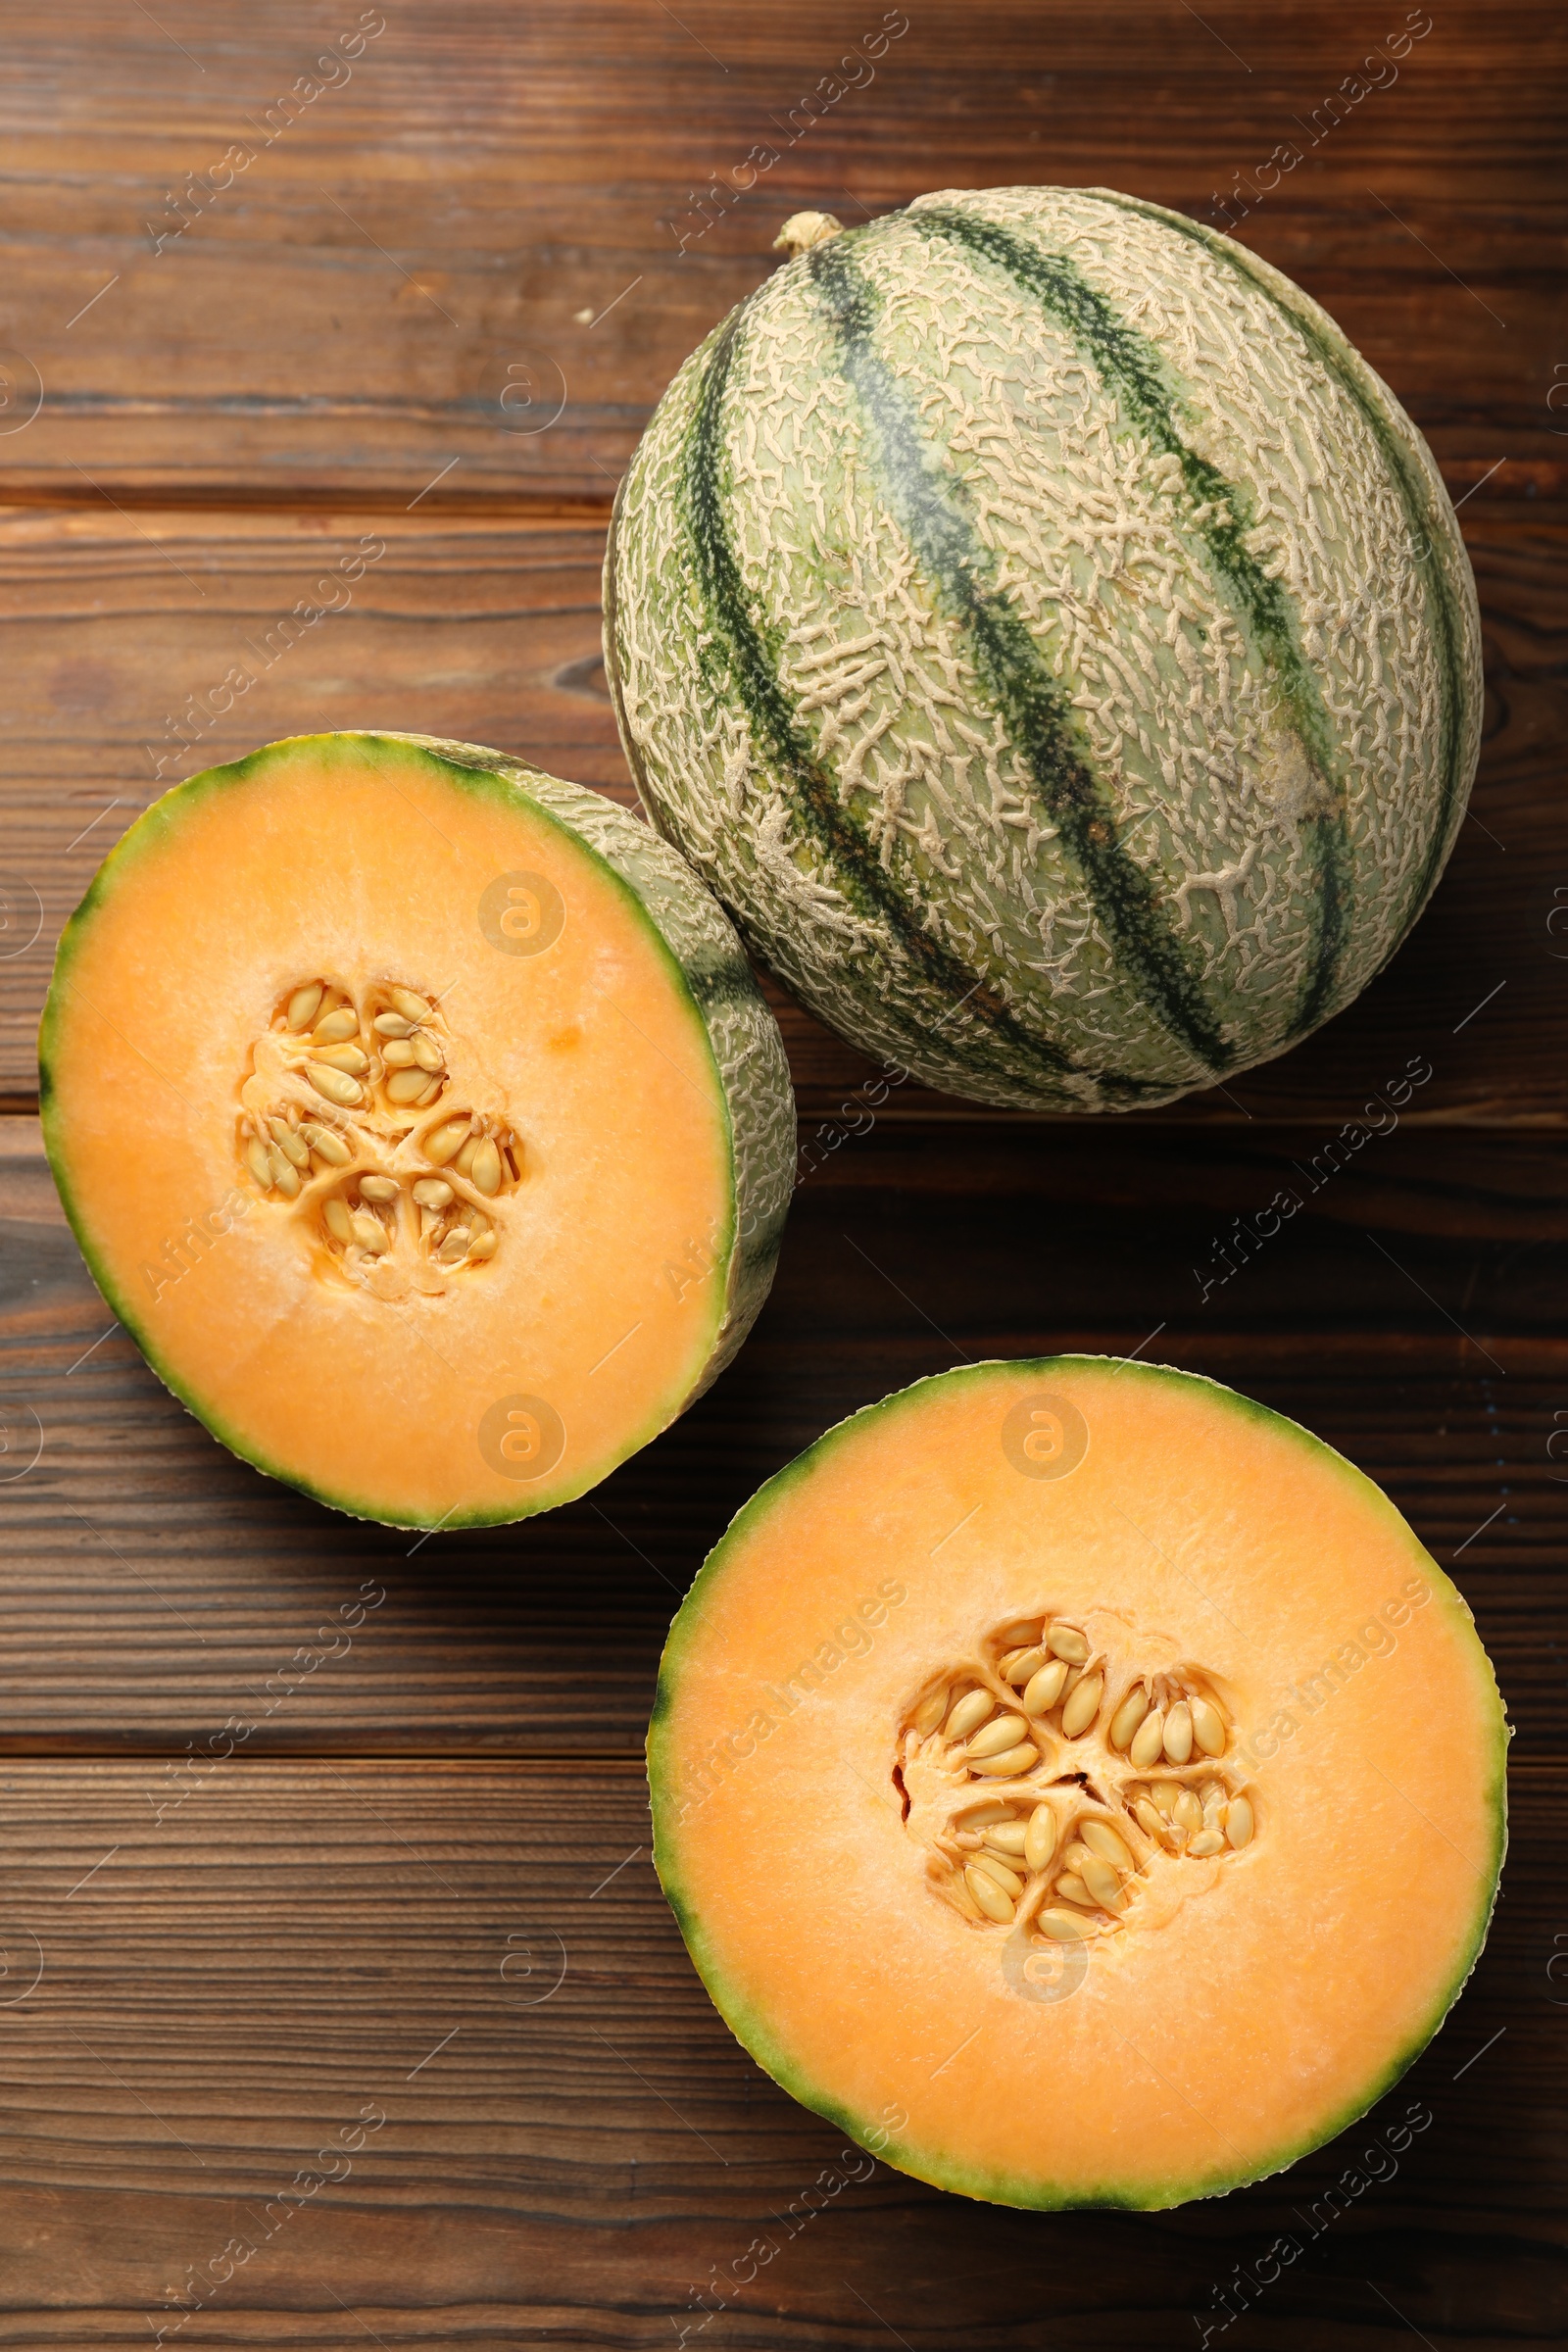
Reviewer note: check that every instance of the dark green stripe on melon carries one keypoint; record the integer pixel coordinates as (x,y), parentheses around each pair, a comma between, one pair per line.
(1130,367)
(1421,522)
(1016,677)
(741,663)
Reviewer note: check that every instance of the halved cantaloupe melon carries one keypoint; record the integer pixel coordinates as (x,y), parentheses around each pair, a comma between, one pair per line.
(1078,1783)
(419,1117)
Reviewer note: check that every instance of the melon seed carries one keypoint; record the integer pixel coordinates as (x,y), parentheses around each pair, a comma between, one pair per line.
(1103,1884)
(285,1178)
(443,1141)
(1020,1666)
(391,1024)
(1003,1731)
(485,1171)
(1206,1843)
(1045,1688)
(1239,1822)
(352,1058)
(1129,1715)
(398,1054)
(1039,1837)
(1163,1793)
(1072,1889)
(991,1898)
(1011,1760)
(337,1085)
(1066,1641)
(998,1870)
(982,1817)
(406,1086)
(1101,1839)
(370,1232)
(968,1713)
(413,1008)
(378,1188)
(434,1192)
(1147,1741)
(1009,1836)
(259,1162)
(464,1162)
(1082,1707)
(289,1141)
(1179,1732)
(1208,1728)
(426,1053)
(338,1223)
(432,1093)
(1149,1817)
(330,1147)
(1022,1631)
(1187,1812)
(302,1005)
(1065,1927)
(336,1026)
(454,1246)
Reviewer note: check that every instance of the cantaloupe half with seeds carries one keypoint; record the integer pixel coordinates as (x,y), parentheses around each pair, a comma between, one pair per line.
(1078,1781)
(419,1117)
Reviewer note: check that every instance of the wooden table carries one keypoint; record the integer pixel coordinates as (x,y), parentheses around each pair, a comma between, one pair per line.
(294,279)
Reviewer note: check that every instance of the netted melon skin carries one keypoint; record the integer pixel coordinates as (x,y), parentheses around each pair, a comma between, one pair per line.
(1053,643)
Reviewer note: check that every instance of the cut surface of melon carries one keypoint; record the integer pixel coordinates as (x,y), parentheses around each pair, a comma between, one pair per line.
(418,1116)
(1078,1781)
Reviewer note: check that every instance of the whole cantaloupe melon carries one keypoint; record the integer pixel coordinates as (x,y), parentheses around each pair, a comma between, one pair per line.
(1052,641)
(1078,1781)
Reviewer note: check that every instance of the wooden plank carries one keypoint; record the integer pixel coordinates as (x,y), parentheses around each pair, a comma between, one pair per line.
(261,248)
(465,1982)
(116,633)
(153,1591)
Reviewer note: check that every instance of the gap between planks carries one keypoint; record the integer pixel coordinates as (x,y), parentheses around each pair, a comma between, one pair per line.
(962,1114)
(626,1763)
(543,507)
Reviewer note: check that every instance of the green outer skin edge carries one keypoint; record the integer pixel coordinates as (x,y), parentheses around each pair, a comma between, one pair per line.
(753,2030)
(1134,368)
(704,961)
(1422,493)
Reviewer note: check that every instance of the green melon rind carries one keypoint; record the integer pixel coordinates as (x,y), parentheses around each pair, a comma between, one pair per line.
(753,2030)
(703,957)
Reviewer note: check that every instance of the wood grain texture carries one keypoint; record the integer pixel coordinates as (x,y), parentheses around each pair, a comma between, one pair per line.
(117,632)
(580,194)
(463,1984)
(153,1589)
(435,309)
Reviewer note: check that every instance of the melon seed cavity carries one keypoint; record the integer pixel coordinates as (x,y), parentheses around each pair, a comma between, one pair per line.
(1056,1780)
(348,1123)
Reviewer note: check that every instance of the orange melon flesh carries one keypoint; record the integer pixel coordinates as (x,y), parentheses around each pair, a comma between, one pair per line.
(1246,2007)
(609,1294)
